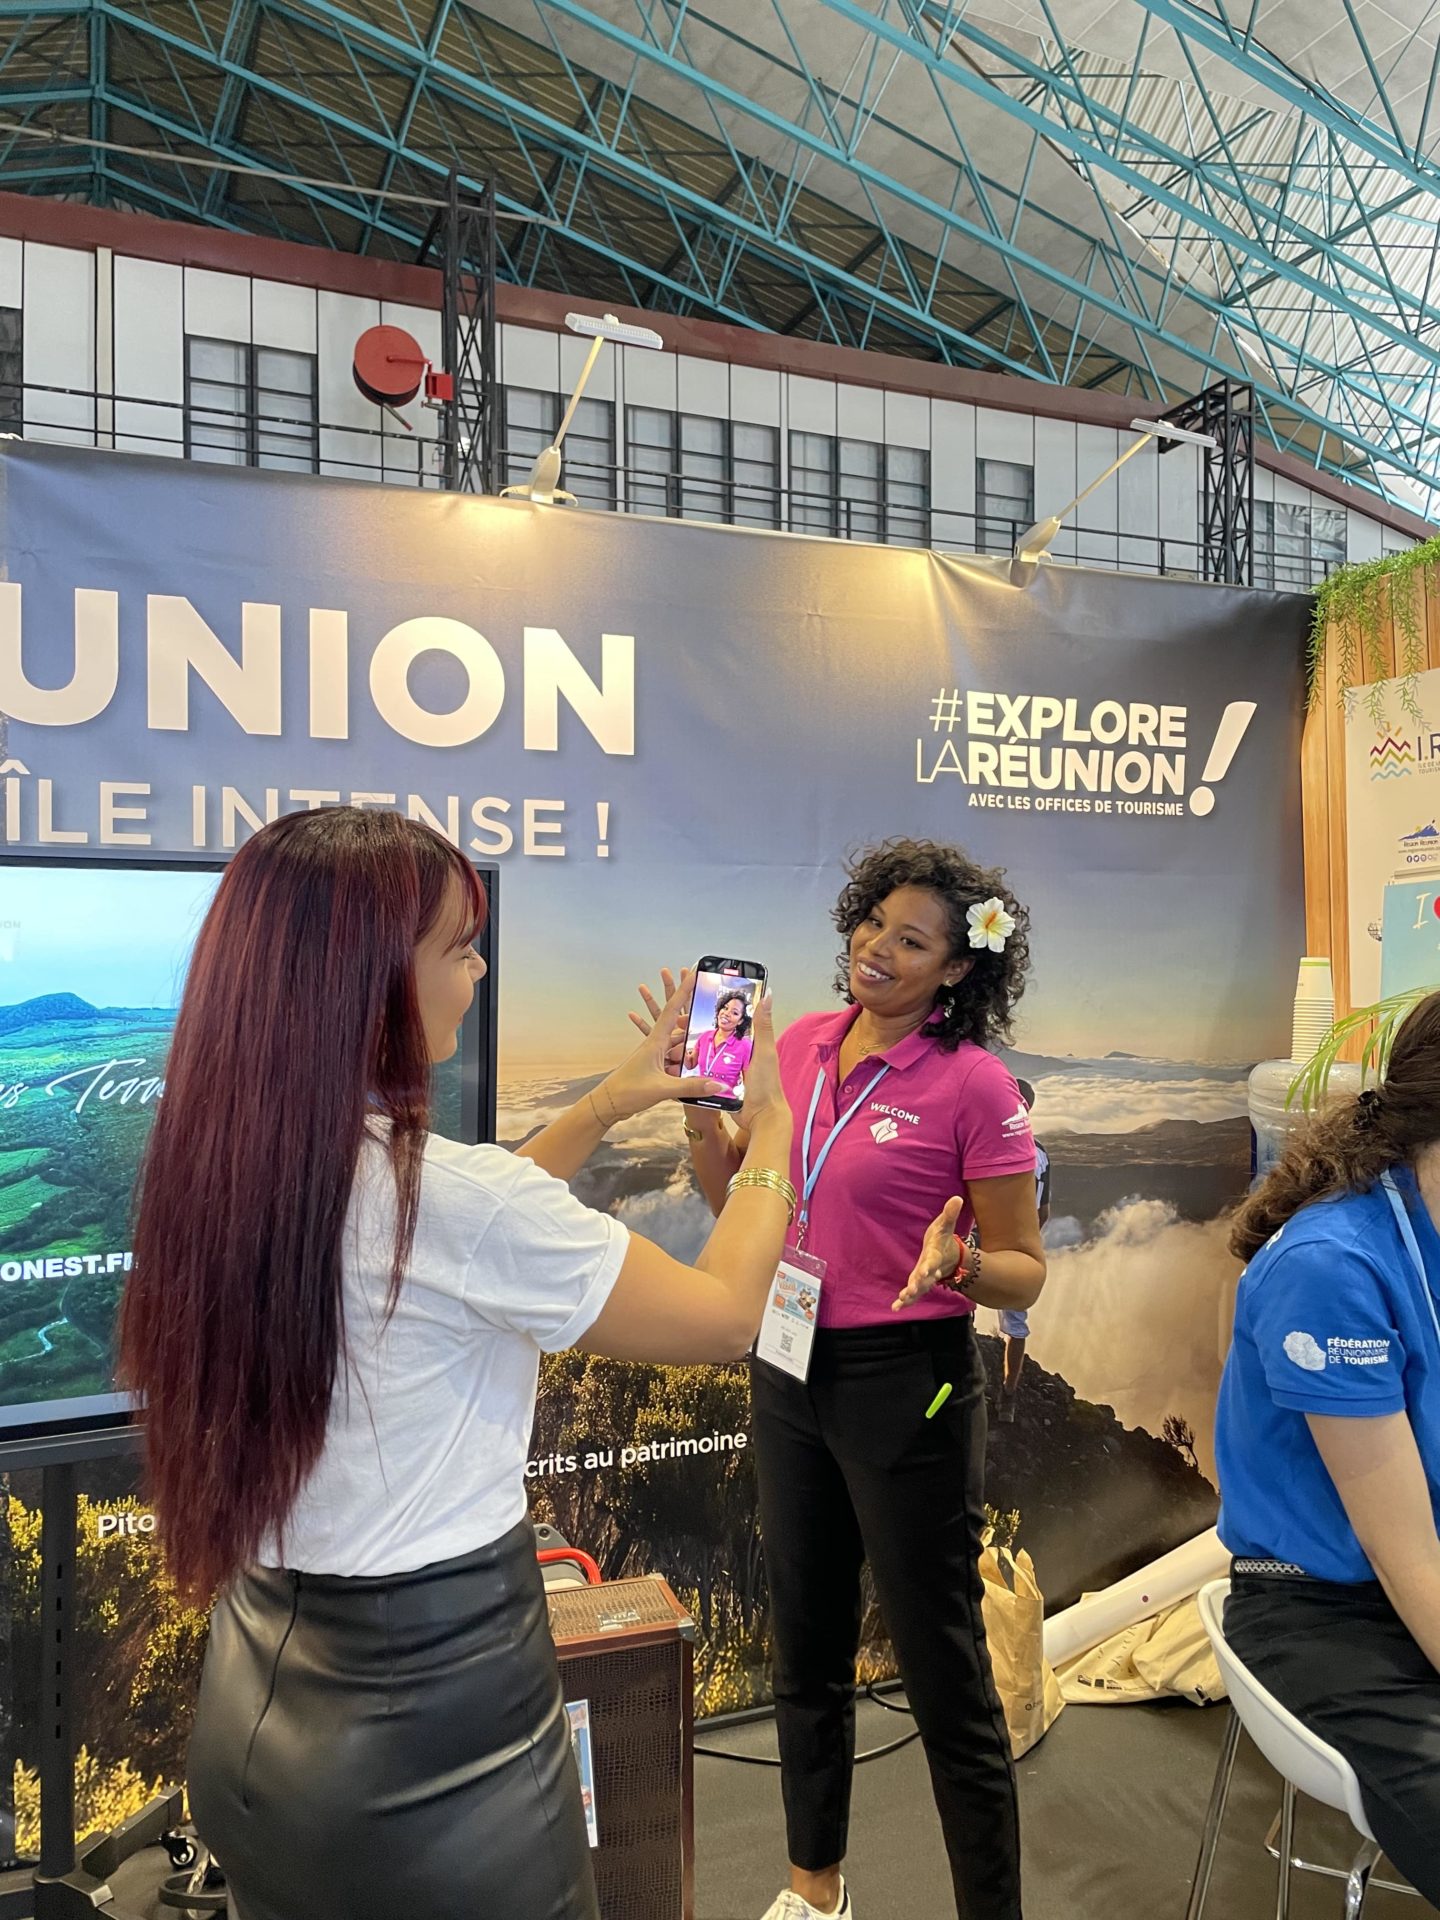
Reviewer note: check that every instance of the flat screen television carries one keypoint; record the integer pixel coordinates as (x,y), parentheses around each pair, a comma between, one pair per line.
(93,955)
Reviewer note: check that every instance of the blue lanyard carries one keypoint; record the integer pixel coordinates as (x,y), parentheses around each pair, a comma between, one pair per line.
(809,1175)
(1412,1245)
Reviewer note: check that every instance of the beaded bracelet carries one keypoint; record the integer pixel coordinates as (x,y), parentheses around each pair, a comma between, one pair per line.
(971,1261)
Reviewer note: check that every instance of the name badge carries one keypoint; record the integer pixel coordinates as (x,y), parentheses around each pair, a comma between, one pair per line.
(787,1332)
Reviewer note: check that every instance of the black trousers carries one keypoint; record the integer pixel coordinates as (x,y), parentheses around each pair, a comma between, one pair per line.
(369,1748)
(851,1470)
(1344,1663)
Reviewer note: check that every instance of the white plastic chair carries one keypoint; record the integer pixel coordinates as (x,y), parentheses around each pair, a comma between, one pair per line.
(1305,1765)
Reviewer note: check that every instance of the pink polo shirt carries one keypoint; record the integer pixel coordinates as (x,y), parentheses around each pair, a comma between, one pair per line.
(727,1062)
(935,1122)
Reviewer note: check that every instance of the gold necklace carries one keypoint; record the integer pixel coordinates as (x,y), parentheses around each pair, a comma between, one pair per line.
(874,1046)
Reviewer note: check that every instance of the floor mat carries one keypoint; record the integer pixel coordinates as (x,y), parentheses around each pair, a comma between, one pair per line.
(1112,1803)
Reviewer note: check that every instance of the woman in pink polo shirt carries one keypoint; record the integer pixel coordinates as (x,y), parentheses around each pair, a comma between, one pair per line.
(914,1153)
(724,1054)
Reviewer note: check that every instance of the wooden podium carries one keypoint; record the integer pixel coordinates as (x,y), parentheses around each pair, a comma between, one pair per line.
(627,1648)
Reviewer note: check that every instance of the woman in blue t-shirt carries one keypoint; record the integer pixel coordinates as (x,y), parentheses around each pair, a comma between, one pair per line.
(1328,1441)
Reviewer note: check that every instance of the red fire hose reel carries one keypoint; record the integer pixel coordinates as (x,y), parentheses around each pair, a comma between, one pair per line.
(391,368)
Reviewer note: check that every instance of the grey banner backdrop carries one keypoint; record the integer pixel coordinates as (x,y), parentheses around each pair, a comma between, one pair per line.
(668,736)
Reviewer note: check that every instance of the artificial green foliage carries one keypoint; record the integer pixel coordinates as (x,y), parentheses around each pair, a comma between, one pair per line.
(1353,611)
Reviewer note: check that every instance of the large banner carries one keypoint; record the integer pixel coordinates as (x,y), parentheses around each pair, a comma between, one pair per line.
(669,736)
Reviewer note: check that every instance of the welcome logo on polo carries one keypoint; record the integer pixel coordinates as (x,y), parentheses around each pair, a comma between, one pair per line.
(884,1130)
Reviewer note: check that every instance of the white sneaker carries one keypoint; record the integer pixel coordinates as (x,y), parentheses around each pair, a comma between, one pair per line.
(792,1906)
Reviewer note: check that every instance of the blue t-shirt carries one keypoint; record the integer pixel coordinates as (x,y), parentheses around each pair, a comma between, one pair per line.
(1329,1319)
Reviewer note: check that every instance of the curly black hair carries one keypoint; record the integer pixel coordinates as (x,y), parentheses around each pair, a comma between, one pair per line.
(724,1000)
(982,1007)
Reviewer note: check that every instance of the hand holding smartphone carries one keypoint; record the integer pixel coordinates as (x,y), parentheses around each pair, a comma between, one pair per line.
(719,1036)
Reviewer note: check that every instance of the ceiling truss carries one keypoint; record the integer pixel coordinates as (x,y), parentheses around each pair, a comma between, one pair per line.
(1173,193)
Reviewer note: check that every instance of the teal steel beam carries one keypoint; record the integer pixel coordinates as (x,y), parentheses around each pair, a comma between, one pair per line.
(439,20)
(99,120)
(913,197)
(666,195)
(1213,31)
(1363,389)
(525,115)
(1230,238)
(242,27)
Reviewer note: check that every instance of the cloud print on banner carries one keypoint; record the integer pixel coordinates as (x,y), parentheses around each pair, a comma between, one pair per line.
(1138,1317)
(1099,1103)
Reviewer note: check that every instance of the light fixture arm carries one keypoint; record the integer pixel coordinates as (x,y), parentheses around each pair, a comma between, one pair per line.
(1034,543)
(1141,440)
(594,354)
(543,485)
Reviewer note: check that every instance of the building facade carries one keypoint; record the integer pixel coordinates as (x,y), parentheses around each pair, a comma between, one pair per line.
(154,337)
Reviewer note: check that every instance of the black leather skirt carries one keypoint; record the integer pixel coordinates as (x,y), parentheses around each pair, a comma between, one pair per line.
(371,1748)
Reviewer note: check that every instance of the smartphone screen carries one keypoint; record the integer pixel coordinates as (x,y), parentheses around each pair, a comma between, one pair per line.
(721,1034)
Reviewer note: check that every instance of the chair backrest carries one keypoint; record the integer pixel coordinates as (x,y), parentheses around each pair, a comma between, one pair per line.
(1298,1755)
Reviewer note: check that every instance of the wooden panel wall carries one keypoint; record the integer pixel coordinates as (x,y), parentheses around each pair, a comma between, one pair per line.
(1322,776)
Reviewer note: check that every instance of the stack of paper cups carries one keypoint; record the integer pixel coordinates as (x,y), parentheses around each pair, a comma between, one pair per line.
(1314,1008)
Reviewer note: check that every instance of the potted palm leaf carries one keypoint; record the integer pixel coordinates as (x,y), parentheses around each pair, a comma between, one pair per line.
(1384,1019)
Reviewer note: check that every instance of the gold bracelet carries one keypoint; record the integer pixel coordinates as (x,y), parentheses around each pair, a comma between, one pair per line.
(692,1133)
(771,1181)
(605,1125)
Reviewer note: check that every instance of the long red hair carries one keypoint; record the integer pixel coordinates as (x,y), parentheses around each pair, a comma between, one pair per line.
(299,1022)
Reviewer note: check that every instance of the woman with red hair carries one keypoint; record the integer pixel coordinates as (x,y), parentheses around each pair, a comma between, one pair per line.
(335,1321)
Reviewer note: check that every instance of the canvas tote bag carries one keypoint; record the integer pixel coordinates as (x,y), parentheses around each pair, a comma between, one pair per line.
(1014,1611)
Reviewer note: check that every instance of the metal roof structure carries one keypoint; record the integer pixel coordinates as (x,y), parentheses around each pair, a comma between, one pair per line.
(1138,195)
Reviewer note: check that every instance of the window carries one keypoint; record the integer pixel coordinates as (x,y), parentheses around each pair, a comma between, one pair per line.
(1295,546)
(859,490)
(649,459)
(12,392)
(907,496)
(1282,546)
(688,466)
(755,470)
(532,420)
(250,406)
(704,467)
(1329,540)
(813,486)
(1004,504)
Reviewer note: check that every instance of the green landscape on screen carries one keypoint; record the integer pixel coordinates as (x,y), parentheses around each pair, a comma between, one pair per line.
(92,964)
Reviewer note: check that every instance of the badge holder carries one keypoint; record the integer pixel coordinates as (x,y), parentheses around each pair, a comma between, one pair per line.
(792,1313)
(787,1332)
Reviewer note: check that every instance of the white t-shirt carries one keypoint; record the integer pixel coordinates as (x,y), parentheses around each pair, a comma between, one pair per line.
(430,1425)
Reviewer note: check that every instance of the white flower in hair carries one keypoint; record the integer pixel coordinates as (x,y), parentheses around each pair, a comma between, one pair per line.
(990,925)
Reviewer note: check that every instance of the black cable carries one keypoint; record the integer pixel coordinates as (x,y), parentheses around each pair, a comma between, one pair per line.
(875,1700)
(740,1759)
(764,1760)
(870,1753)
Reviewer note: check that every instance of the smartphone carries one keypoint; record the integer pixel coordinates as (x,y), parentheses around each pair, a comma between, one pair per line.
(720,1036)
